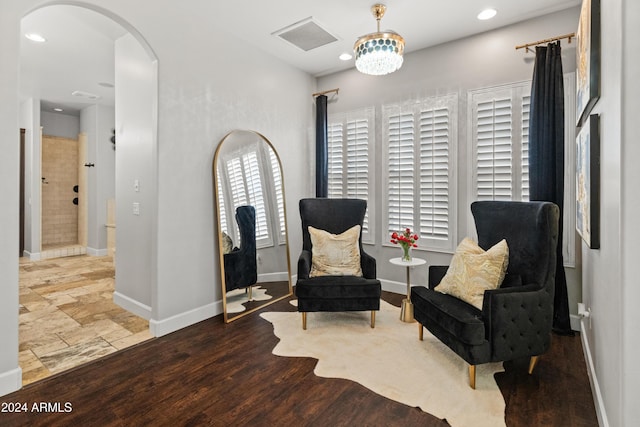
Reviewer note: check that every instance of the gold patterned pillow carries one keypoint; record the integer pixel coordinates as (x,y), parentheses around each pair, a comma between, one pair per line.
(335,254)
(227,243)
(473,271)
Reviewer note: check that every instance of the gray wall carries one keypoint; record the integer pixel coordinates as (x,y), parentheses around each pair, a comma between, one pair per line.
(610,274)
(485,60)
(58,124)
(29,120)
(97,121)
(136,159)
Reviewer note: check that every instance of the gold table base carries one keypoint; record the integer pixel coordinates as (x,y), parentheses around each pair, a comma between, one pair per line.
(406,311)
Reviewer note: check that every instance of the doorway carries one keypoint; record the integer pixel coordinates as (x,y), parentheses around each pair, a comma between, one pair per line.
(88,273)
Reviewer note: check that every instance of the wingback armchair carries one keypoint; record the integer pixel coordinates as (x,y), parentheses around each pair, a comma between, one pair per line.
(335,292)
(240,265)
(516,319)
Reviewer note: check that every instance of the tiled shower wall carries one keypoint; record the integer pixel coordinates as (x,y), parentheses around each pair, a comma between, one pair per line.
(60,175)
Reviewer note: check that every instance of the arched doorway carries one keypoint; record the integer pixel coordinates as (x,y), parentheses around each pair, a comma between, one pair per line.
(104,111)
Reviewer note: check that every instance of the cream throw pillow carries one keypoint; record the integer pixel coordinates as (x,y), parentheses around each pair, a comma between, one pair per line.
(335,254)
(473,271)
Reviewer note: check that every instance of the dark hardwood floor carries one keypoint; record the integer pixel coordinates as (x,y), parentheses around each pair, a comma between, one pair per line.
(224,374)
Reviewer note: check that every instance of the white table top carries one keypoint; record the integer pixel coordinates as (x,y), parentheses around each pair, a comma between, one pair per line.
(413,263)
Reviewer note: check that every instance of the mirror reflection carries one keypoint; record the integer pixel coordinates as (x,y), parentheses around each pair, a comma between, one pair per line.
(252,231)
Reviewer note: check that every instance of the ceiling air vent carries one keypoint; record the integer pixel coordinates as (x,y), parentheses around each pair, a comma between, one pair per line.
(306,35)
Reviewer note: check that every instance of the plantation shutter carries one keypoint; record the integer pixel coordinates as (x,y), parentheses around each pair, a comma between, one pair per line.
(500,141)
(526,101)
(221,204)
(256,194)
(434,173)
(350,137)
(493,135)
(335,144)
(400,190)
(277,184)
(358,163)
(419,148)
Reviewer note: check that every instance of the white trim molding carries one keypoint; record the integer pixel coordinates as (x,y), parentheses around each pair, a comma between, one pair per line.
(595,386)
(163,327)
(10,381)
(132,305)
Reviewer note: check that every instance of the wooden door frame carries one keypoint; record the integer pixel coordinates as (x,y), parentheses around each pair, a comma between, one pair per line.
(22,189)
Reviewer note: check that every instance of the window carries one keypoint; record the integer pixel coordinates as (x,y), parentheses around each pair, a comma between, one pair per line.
(277,186)
(420,141)
(350,160)
(243,178)
(499,132)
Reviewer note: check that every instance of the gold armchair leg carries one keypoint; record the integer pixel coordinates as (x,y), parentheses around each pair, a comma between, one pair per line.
(532,363)
(304,320)
(420,331)
(250,293)
(472,376)
(373,319)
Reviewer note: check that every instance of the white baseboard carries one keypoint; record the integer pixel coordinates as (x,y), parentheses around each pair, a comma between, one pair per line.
(281,276)
(97,252)
(10,381)
(162,327)
(591,371)
(35,256)
(575,322)
(393,286)
(132,305)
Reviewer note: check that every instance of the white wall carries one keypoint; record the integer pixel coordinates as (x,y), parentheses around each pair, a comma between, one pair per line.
(10,373)
(630,153)
(205,96)
(136,160)
(30,121)
(62,125)
(97,121)
(610,274)
(484,60)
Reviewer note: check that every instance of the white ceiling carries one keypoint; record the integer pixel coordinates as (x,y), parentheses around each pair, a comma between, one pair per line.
(78,54)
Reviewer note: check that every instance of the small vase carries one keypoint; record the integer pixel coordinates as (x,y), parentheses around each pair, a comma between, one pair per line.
(406,253)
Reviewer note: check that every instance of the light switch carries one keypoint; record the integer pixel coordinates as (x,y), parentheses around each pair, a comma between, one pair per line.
(136,185)
(136,208)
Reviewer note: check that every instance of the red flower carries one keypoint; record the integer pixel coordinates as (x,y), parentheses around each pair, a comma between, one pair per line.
(404,238)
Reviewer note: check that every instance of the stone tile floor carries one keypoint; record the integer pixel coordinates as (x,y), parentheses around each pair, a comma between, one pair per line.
(68,317)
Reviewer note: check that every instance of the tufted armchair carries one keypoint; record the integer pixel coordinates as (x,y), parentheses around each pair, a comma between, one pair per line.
(333,292)
(516,319)
(240,265)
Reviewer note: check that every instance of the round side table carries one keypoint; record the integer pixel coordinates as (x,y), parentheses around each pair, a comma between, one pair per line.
(406,311)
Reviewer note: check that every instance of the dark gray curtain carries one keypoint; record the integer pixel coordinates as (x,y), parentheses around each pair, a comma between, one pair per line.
(322,142)
(546,157)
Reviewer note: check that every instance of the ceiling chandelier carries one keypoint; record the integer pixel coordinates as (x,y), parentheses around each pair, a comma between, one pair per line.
(379,53)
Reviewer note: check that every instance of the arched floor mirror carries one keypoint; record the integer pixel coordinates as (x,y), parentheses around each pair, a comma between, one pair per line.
(252,228)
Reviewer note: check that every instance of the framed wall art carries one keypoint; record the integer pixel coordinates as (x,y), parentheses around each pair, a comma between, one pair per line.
(588,59)
(588,181)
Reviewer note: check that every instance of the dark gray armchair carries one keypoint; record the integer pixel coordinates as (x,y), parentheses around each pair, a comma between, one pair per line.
(240,265)
(516,319)
(335,293)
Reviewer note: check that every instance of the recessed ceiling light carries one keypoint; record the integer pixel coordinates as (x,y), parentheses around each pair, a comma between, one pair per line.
(345,56)
(487,14)
(58,109)
(35,37)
